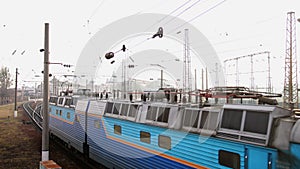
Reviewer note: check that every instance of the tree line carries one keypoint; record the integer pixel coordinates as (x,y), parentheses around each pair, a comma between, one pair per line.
(5,83)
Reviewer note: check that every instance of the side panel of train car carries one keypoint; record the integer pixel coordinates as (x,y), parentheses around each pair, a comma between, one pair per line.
(118,138)
(64,124)
(132,145)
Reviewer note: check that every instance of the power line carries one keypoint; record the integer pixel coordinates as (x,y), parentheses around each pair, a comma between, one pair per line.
(92,14)
(163,18)
(197,16)
(96,9)
(192,19)
(186,9)
(159,21)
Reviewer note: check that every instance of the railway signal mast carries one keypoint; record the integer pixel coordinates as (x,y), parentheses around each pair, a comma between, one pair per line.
(290,97)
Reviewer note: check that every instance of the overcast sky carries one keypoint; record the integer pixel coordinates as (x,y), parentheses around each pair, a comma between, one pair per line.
(235,28)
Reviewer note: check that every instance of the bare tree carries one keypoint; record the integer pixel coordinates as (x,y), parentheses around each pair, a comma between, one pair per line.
(5,82)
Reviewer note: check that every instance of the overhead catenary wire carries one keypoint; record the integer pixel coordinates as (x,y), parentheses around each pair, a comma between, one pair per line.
(165,17)
(185,10)
(143,41)
(159,21)
(190,20)
(197,16)
(92,14)
(96,9)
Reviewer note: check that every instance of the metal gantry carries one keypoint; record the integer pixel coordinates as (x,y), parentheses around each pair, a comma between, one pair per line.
(290,91)
(237,73)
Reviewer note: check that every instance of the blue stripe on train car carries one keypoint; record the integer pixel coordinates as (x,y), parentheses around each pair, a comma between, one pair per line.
(66,113)
(188,150)
(69,127)
(295,153)
(123,155)
(193,148)
(186,147)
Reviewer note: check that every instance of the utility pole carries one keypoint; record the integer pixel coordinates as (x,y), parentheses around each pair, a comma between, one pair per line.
(196,91)
(161,79)
(217,75)
(124,78)
(195,79)
(45,134)
(237,71)
(252,73)
(202,79)
(269,87)
(206,74)
(53,85)
(16,90)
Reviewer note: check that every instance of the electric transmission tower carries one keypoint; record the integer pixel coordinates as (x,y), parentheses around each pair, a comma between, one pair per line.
(290,97)
(187,77)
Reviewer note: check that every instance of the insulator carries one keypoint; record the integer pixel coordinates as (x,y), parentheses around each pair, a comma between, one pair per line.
(109,55)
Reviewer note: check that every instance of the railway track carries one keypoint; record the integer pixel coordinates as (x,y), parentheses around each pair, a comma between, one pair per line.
(35,115)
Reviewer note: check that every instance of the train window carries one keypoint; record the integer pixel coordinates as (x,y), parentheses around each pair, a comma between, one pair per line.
(191,118)
(209,120)
(109,107)
(232,119)
(117,129)
(151,113)
(229,159)
(68,115)
(163,114)
(56,112)
(164,142)
(68,102)
(60,101)
(74,101)
(195,118)
(116,109)
(97,124)
(203,120)
(260,119)
(187,117)
(51,100)
(71,101)
(124,109)
(60,112)
(55,100)
(132,110)
(77,118)
(145,137)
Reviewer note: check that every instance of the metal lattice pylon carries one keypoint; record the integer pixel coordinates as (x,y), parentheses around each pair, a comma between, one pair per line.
(290,97)
(187,77)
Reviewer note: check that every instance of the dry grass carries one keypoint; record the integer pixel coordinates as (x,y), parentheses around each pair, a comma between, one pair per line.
(20,144)
(6,110)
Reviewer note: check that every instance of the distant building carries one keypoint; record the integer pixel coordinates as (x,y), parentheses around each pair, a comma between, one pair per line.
(8,96)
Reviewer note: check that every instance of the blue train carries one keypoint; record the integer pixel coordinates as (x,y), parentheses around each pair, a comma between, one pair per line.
(150,134)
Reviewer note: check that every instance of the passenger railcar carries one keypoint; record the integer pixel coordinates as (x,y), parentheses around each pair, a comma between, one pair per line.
(123,134)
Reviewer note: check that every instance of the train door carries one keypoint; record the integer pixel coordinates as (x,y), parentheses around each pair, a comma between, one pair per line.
(258,158)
